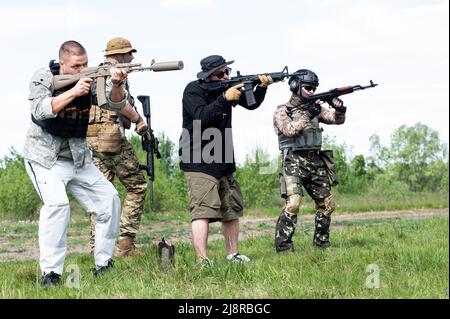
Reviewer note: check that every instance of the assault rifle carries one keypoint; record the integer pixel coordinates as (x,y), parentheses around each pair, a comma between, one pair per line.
(250,81)
(150,143)
(331,94)
(102,72)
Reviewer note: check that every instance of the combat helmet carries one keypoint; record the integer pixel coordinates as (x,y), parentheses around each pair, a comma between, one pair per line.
(302,76)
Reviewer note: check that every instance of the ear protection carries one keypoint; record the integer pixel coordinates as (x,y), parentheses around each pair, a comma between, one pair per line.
(294,84)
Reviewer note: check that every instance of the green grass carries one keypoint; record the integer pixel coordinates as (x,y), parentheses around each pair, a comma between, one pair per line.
(380,202)
(412,256)
(351,203)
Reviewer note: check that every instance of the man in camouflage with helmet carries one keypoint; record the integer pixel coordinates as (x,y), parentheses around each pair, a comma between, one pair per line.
(114,155)
(300,139)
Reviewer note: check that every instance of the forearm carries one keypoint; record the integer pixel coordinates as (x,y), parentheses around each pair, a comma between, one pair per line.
(117,97)
(61,101)
(129,112)
(117,94)
(329,116)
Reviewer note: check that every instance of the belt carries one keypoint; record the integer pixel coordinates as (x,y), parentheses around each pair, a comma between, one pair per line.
(309,154)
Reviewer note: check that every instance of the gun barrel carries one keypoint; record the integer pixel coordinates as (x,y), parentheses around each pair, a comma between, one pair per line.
(127,65)
(167,66)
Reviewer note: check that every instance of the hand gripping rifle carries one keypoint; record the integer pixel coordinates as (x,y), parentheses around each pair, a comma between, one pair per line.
(150,143)
(102,72)
(250,81)
(331,94)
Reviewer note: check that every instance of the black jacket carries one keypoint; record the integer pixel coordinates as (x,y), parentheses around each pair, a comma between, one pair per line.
(213,112)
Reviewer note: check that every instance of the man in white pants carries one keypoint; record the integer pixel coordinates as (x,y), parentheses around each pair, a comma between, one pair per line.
(57,159)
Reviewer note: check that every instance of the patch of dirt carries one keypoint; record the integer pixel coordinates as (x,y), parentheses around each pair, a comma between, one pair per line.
(11,248)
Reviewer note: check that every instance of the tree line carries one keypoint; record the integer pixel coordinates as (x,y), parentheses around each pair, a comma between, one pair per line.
(414,161)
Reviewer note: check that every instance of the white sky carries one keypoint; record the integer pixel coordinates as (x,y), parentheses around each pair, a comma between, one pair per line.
(400,44)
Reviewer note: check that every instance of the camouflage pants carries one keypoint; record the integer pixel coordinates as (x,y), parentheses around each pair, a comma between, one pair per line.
(300,173)
(306,173)
(125,166)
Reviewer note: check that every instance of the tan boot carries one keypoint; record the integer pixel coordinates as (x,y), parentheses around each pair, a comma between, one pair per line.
(125,247)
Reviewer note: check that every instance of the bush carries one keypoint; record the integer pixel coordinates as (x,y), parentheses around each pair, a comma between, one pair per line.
(18,197)
(259,180)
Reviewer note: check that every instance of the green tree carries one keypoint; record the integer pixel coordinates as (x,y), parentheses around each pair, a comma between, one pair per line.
(358,166)
(415,156)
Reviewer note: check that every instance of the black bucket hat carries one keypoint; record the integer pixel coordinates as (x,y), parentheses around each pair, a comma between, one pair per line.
(211,64)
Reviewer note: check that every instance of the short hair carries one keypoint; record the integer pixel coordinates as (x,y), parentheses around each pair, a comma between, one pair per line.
(71,48)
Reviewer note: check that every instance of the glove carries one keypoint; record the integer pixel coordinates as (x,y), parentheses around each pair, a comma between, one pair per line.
(141,127)
(265,80)
(337,103)
(314,110)
(233,93)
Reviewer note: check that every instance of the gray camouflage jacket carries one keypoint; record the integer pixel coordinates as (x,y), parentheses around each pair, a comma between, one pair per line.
(42,147)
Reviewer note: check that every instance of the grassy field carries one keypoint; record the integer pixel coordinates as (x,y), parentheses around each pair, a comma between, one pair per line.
(349,203)
(391,259)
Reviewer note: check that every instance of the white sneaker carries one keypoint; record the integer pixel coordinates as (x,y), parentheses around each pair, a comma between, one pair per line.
(238,258)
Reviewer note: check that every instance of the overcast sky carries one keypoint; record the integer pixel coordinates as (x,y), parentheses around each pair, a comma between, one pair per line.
(400,44)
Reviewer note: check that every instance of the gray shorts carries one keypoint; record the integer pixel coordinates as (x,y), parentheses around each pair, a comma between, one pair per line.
(212,198)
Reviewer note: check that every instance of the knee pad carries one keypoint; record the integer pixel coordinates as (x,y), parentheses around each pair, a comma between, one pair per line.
(330,205)
(326,206)
(293,203)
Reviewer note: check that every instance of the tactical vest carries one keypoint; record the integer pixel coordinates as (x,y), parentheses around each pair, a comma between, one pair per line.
(310,137)
(107,128)
(73,120)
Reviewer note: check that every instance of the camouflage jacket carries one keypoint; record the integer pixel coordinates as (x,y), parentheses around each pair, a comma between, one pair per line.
(290,121)
(42,147)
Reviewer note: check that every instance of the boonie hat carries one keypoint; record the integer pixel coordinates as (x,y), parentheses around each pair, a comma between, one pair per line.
(210,64)
(118,46)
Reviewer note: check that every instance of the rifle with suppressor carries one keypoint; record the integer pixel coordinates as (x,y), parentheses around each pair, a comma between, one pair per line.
(150,143)
(102,72)
(250,81)
(331,94)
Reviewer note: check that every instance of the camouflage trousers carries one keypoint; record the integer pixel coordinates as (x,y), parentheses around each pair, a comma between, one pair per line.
(303,171)
(125,166)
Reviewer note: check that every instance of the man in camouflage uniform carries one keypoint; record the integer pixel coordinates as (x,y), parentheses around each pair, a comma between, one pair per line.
(114,155)
(300,139)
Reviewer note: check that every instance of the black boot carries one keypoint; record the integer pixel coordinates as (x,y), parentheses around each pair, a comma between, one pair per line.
(322,231)
(97,271)
(50,279)
(284,231)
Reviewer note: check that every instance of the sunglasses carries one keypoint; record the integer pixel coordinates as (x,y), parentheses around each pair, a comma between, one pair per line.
(221,74)
(309,88)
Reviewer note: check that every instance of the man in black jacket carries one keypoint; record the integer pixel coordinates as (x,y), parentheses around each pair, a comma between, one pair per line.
(207,157)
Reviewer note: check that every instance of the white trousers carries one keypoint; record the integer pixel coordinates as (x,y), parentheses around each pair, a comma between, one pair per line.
(94,193)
